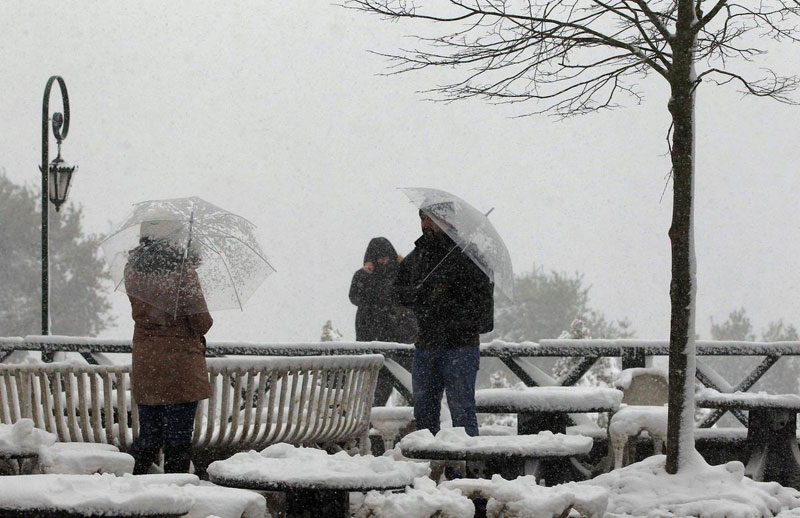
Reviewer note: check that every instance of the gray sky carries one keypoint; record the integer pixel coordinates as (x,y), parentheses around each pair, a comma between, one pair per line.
(278,112)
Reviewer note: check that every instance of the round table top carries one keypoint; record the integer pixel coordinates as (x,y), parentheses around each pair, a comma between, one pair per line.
(244,482)
(283,467)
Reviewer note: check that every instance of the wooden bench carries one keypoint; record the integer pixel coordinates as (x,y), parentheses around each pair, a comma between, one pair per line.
(311,401)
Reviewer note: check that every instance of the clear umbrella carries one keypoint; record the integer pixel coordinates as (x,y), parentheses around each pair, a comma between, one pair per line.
(219,245)
(472,232)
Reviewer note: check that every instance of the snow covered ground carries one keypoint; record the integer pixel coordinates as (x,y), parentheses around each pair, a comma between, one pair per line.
(641,489)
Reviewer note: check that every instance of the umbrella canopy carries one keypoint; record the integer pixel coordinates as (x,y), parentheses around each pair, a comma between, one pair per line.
(188,234)
(472,232)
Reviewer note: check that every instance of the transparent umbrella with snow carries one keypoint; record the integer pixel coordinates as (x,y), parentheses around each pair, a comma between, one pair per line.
(471,230)
(218,245)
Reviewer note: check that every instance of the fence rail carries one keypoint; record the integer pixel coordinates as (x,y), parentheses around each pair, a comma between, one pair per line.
(516,356)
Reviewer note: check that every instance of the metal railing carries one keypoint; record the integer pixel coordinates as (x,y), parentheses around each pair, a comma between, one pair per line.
(518,357)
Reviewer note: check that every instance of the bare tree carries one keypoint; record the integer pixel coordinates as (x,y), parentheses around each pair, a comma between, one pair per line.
(581,56)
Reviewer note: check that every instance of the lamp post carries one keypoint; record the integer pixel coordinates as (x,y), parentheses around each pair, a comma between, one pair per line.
(56,177)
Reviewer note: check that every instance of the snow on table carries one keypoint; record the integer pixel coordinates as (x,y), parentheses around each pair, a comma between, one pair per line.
(224,502)
(550,399)
(524,498)
(284,465)
(455,440)
(102,495)
(423,499)
(710,398)
(22,438)
(84,458)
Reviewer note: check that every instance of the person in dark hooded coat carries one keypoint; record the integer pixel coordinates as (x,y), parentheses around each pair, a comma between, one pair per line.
(378,317)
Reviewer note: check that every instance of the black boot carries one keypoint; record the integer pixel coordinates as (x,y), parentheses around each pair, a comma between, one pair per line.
(144,458)
(177,459)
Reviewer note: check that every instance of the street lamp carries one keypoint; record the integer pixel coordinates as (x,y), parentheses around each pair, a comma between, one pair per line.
(56,177)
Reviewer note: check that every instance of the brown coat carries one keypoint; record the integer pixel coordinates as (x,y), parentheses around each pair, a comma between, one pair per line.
(169,364)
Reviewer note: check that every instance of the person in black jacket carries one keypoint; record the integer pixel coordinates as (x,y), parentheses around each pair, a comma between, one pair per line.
(379,317)
(454,303)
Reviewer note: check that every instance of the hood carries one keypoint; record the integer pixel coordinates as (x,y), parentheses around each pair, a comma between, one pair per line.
(380,247)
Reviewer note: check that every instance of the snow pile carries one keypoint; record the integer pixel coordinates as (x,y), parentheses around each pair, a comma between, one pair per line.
(550,399)
(81,458)
(101,495)
(524,498)
(700,490)
(422,500)
(285,464)
(456,440)
(21,438)
(224,502)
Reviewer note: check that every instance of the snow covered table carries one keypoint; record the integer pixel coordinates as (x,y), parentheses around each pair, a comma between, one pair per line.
(315,483)
(20,444)
(771,432)
(63,496)
(510,456)
(547,408)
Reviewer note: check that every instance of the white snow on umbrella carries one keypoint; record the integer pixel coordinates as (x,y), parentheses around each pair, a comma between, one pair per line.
(472,232)
(232,263)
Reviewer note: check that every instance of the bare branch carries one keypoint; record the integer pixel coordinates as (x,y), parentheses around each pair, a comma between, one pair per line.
(580,55)
(774,87)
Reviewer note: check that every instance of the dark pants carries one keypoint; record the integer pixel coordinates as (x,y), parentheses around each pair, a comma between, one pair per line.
(167,426)
(450,371)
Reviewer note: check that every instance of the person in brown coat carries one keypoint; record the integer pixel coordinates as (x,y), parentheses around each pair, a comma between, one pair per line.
(169,373)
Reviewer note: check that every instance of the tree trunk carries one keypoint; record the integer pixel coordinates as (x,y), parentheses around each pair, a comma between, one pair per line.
(680,433)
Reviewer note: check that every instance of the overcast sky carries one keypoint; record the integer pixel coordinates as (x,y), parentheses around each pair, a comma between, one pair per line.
(278,112)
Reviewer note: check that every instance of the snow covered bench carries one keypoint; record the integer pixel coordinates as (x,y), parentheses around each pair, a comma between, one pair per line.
(314,400)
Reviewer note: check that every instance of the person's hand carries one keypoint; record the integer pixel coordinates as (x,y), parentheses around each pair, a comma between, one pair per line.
(369,267)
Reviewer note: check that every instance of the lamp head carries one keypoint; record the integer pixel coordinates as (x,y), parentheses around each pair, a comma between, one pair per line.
(59,178)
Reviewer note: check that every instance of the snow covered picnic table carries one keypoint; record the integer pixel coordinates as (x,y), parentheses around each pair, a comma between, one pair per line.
(44,496)
(315,483)
(510,456)
(771,432)
(548,408)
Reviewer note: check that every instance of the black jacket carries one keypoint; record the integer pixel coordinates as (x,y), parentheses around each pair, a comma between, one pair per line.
(455,304)
(379,317)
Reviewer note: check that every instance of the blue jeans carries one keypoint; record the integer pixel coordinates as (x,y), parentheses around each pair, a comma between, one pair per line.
(453,371)
(166,425)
